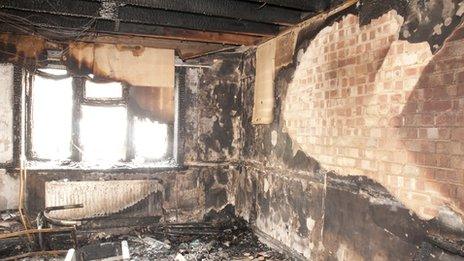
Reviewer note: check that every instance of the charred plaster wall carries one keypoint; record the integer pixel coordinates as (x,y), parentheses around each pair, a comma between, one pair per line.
(367,103)
(210,144)
(8,183)
(290,193)
(6,113)
(186,195)
(9,186)
(213,110)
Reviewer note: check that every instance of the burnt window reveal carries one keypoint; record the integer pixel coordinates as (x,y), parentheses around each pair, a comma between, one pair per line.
(74,119)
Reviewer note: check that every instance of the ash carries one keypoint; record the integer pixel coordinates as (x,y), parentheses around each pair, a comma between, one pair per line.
(228,238)
(220,236)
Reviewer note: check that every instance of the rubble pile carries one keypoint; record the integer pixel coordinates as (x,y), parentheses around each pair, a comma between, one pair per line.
(220,236)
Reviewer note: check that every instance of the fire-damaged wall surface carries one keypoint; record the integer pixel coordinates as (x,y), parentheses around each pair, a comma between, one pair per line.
(364,158)
(209,132)
(6,113)
(213,117)
(183,195)
(8,184)
(208,128)
(382,107)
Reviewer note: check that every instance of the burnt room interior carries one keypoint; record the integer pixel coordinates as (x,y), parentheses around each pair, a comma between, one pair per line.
(232,130)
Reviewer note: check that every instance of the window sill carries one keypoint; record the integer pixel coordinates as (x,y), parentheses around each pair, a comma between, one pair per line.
(120,166)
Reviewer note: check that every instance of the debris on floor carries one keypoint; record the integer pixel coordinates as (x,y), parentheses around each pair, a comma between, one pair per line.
(220,236)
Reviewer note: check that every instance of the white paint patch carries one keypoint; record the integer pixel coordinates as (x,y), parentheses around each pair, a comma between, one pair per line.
(274,138)
(193,79)
(460,11)
(448,21)
(310,223)
(341,252)
(266,185)
(9,188)
(6,113)
(437,29)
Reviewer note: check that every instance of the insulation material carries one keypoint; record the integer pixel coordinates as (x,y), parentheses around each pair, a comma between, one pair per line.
(135,65)
(98,197)
(285,48)
(264,83)
(157,104)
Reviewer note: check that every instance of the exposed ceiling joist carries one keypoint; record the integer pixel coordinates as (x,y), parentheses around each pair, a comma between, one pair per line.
(88,27)
(224,8)
(141,15)
(192,27)
(306,5)
(194,21)
(188,35)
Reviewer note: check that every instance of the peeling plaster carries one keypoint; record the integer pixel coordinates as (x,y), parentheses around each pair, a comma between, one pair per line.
(355,218)
(6,113)
(9,187)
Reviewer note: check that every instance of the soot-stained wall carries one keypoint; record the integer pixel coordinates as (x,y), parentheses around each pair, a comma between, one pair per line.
(331,178)
(185,195)
(292,192)
(371,104)
(213,109)
(8,184)
(209,140)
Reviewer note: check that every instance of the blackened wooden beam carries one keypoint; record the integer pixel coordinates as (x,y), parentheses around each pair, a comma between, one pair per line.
(109,27)
(188,35)
(80,8)
(303,5)
(194,21)
(225,8)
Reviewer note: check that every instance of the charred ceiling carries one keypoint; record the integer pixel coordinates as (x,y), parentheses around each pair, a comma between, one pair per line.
(226,22)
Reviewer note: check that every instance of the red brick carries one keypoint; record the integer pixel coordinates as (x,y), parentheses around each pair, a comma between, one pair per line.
(457,134)
(449,147)
(457,35)
(368,115)
(411,71)
(436,93)
(446,119)
(457,162)
(437,106)
(460,77)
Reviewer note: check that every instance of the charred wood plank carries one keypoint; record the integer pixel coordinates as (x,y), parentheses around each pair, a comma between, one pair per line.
(79,24)
(36,231)
(141,15)
(306,5)
(188,34)
(224,8)
(36,255)
(194,21)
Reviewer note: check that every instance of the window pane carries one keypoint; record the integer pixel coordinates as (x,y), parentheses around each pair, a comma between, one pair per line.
(150,139)
(52,117)
(112,90)
(103,133)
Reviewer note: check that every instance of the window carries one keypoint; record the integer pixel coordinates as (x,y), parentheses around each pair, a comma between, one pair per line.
(50,138)
(78,120)
(103,133)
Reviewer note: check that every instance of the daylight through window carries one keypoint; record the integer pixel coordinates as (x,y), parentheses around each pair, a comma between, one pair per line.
(80,120)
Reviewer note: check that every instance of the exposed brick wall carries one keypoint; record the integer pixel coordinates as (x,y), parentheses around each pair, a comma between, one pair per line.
(363,102)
